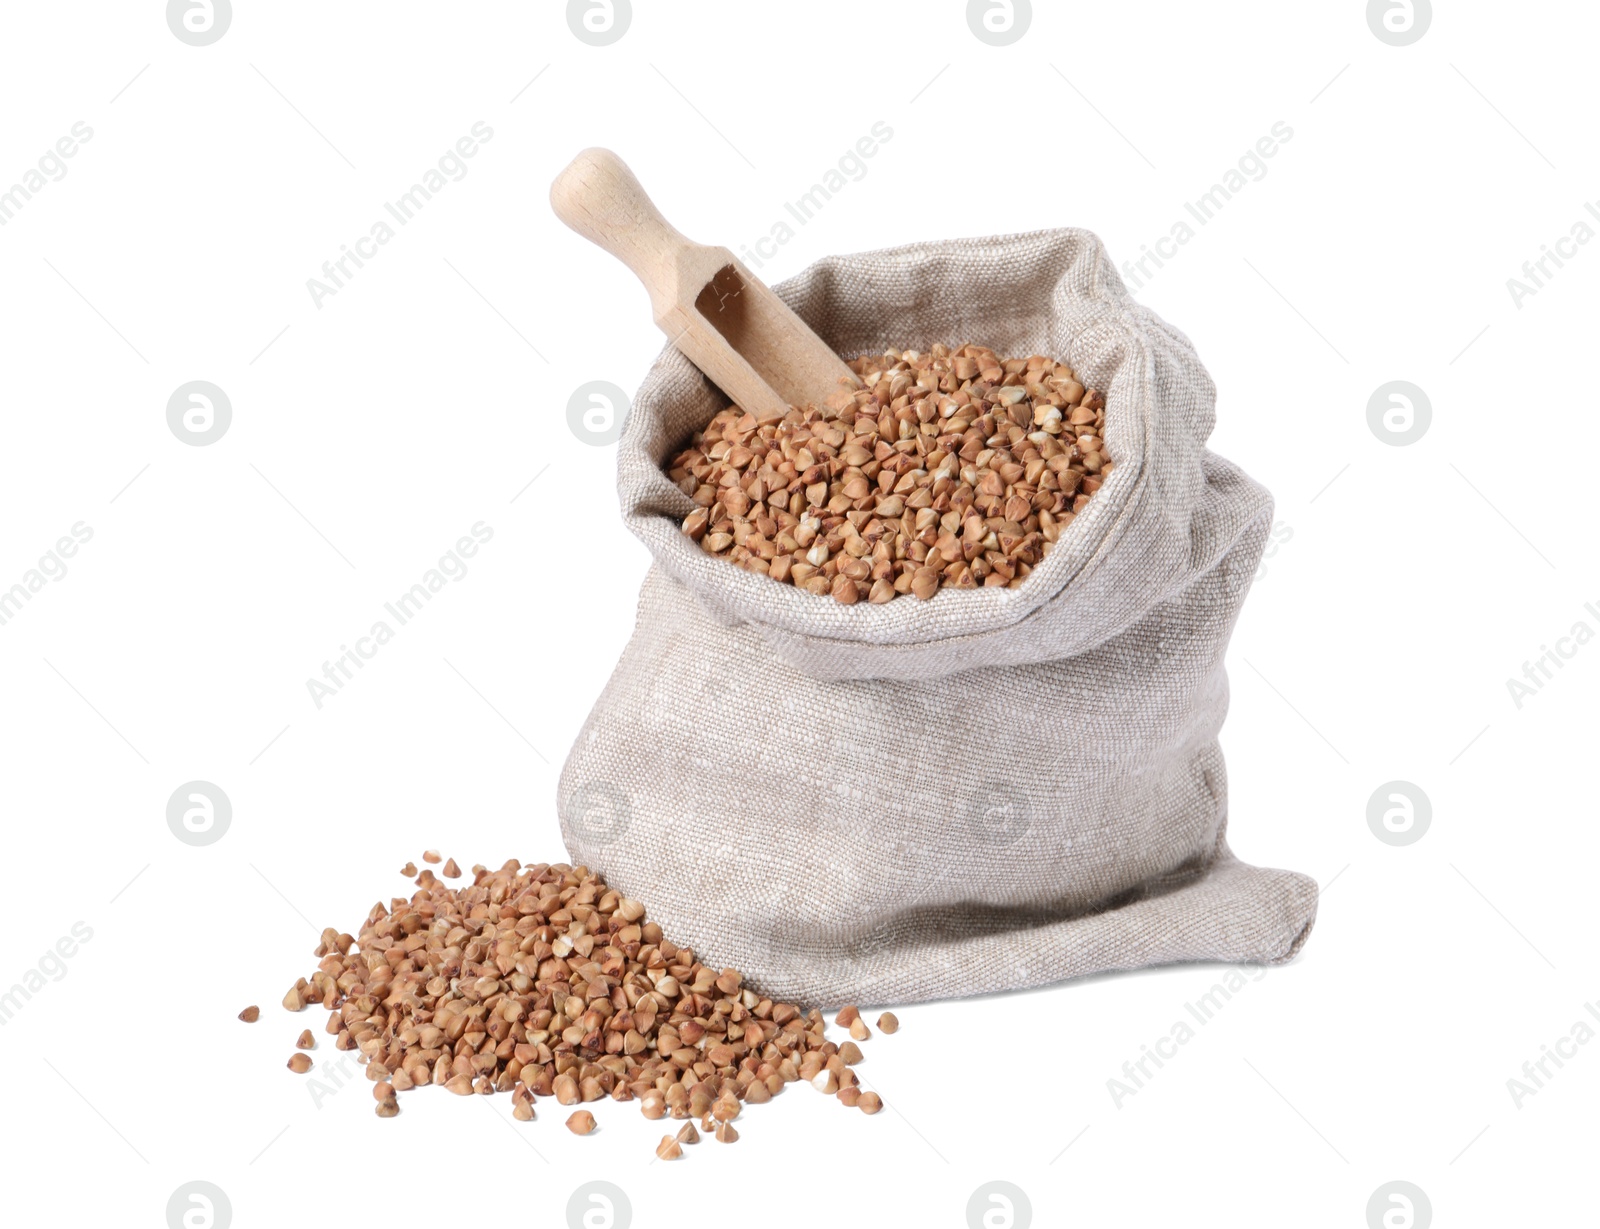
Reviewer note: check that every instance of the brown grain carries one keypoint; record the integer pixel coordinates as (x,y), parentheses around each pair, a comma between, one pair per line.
(544,981)
(947,469)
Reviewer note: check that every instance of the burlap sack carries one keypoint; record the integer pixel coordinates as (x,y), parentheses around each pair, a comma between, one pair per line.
(993,789)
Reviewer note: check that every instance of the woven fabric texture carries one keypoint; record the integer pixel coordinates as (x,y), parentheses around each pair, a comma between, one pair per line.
(993,789)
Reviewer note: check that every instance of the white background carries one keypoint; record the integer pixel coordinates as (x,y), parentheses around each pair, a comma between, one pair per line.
(372,432)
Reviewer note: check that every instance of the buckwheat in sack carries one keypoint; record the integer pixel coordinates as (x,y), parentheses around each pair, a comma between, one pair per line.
(993,789)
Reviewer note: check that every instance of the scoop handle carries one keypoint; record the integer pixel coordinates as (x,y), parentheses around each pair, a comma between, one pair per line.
(599,197)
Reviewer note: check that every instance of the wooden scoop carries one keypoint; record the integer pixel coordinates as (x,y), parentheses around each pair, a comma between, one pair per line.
(726,322)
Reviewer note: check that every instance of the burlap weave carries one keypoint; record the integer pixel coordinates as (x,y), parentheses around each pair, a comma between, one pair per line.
(993,789)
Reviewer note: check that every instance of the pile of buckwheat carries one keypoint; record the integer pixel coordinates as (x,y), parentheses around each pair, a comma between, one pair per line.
(950,468)
(542,981)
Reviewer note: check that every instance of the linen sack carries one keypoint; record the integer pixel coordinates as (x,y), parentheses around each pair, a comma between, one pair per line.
(993,789)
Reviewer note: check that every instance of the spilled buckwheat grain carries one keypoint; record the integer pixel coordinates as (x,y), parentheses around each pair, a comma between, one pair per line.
(543,981)
(952,468)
